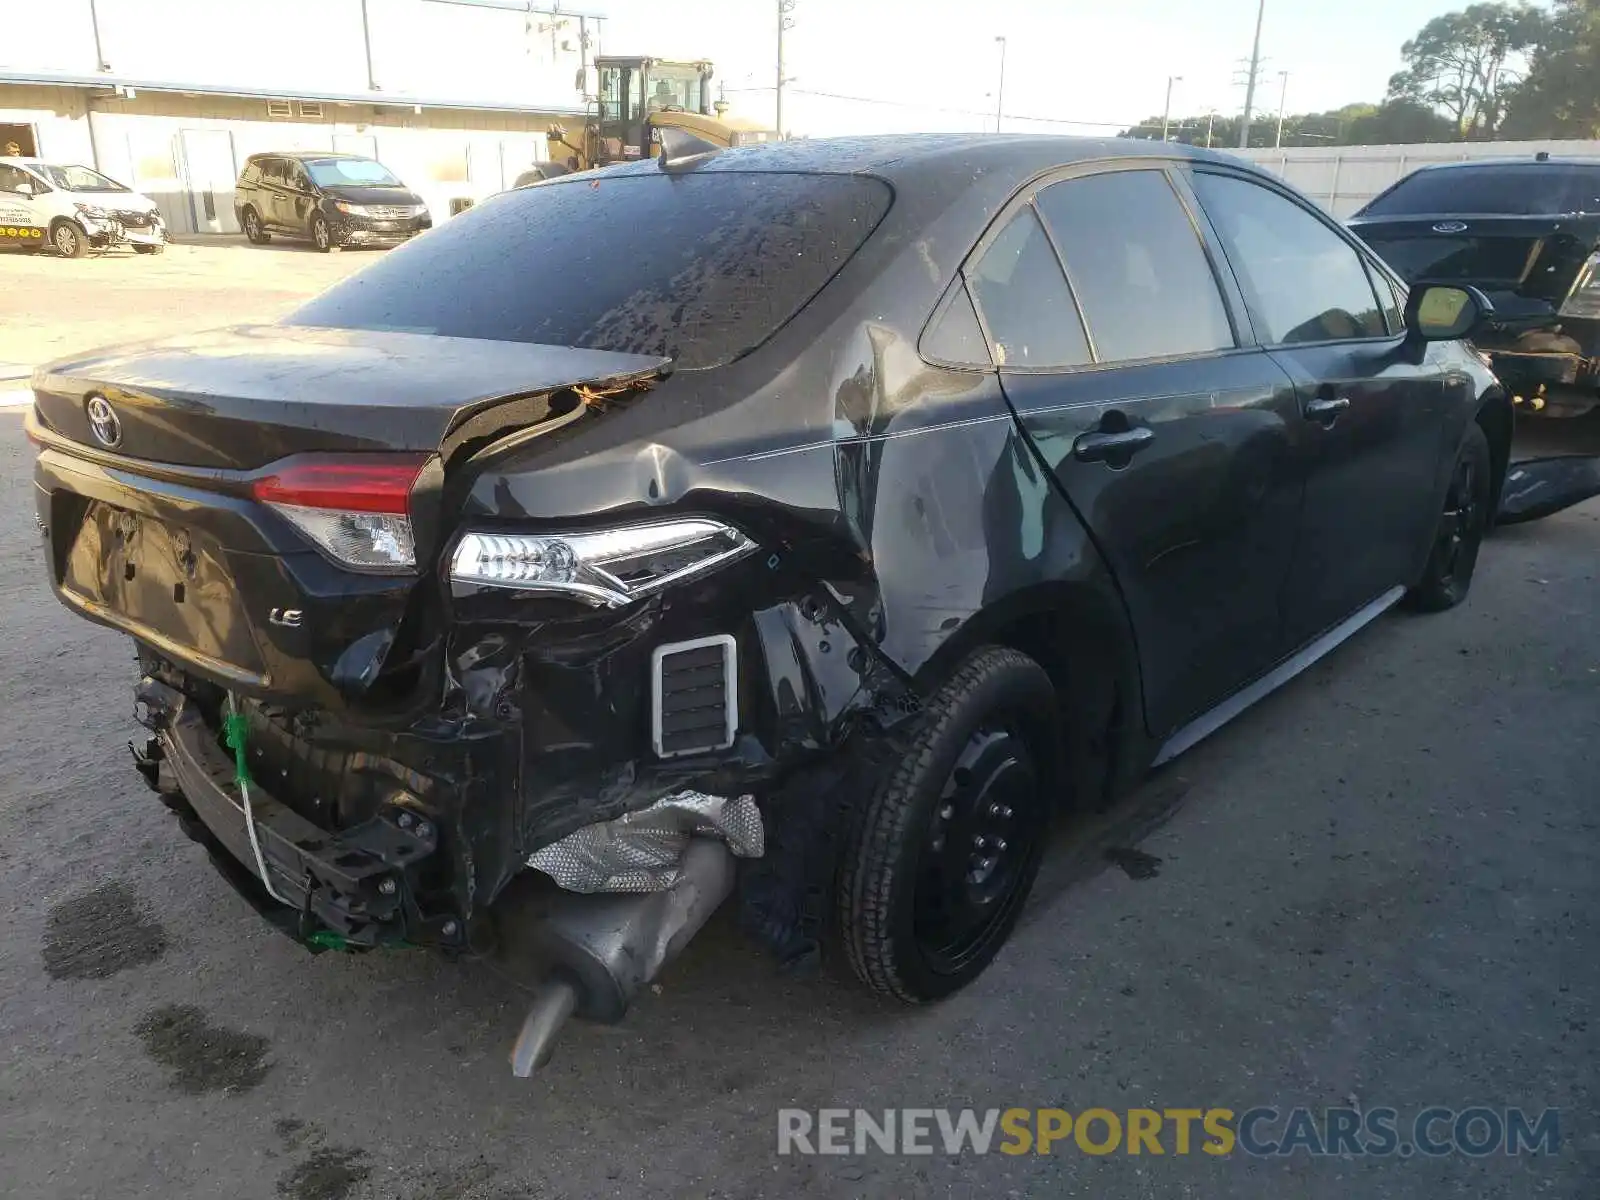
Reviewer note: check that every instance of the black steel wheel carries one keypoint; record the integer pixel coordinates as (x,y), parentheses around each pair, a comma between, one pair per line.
(1462,525)
(938,863)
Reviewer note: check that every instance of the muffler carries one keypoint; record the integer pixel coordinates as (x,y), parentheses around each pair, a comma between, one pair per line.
(597,951)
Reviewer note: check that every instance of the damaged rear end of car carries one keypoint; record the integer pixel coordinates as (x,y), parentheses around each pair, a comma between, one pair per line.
(389,657)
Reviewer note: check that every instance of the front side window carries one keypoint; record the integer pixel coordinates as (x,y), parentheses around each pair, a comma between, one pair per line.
(1023,296)
(1137,266)
(11,178)
(1303,282)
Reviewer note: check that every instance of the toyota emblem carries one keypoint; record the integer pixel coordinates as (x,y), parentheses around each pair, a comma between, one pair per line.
(104,422)
(1450,227)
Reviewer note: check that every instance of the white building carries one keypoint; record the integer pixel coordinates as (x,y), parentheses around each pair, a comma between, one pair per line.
(171,96)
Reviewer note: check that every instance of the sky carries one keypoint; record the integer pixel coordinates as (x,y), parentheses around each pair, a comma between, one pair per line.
(1091,66)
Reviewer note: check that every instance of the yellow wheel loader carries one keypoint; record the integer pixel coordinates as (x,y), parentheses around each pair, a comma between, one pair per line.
(640,97)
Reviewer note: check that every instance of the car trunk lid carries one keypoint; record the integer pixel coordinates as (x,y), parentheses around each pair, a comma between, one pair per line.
(239,398)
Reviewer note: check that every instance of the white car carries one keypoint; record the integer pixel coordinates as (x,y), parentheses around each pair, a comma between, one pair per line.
(72,208)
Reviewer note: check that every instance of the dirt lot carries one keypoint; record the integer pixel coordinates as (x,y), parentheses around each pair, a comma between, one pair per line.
(53,306)
(1377,888)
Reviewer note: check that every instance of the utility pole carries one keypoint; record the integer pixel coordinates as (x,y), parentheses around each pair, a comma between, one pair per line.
(1283,99)
(1000,93)
(1211,118)
(1166,112)
(1250,87)
(785,7)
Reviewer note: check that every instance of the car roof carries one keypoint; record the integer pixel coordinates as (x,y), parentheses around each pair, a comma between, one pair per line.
(308,155)
(934,159)
(1478,164)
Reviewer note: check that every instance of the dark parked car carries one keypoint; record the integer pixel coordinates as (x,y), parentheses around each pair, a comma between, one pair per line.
(327,199)
(1526,232)
(856,505)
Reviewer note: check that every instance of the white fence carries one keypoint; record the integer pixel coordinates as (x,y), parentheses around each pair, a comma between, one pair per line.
(1343,178)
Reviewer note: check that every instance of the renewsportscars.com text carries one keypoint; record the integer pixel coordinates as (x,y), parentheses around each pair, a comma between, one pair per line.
(1261,1131)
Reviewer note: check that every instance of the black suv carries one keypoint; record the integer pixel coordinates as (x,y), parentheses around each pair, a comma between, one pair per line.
(848,508)
(1526,232)
(328,199)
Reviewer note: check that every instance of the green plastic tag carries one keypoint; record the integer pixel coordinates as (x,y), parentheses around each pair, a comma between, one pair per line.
(234,729)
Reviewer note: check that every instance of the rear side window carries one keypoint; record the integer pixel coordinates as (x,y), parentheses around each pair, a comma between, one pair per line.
(1022,294)
(1531,190)
(1137,266)
(955,335)
(1303,282)
(699,268)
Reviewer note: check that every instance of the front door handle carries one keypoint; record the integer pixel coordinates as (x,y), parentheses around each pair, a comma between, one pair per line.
(1325,410)
(1099,447)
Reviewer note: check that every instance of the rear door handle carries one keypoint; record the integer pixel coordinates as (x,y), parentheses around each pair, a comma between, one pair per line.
(1326,409)
(1098,447)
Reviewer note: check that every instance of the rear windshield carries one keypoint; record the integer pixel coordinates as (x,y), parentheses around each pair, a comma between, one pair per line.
(1511,191)
(699,268)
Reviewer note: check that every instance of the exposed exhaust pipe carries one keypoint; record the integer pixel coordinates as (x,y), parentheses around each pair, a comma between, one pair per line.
(599,950)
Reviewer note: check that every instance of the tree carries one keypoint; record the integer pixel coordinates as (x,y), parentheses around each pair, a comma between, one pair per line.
(1399,122)
(1352,125)
(1561,97)
(1468,64)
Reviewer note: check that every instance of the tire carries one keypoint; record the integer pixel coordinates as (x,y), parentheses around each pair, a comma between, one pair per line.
(1462,524)
(141,249)
(68,239)
(254,231)
(321,235)
(981,761)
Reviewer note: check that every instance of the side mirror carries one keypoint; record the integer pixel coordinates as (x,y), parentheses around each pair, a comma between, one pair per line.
(1445,312)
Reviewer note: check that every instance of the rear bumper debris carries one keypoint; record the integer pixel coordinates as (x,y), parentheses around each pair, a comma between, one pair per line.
(359,885)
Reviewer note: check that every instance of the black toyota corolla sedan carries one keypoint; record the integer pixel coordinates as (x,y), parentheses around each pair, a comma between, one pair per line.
(812,523)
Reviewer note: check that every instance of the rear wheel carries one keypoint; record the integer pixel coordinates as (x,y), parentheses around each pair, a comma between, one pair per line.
(321,235)
(1461,527)
(936,867)
(68,239)
(253,230)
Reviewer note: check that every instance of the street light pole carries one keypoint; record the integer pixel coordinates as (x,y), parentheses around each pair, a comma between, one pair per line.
(1211,118)
(1166,112)
(1283,99)
(1250,87)
(785,7)
(1000,92)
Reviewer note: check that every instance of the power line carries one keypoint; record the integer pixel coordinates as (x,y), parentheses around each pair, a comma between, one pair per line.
(963,112)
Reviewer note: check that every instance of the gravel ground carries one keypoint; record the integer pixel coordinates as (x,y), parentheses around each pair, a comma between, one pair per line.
(1377,887)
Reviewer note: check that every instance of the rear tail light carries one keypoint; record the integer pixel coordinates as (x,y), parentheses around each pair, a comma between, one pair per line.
(608,568)
(355,510)
(1583,301)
